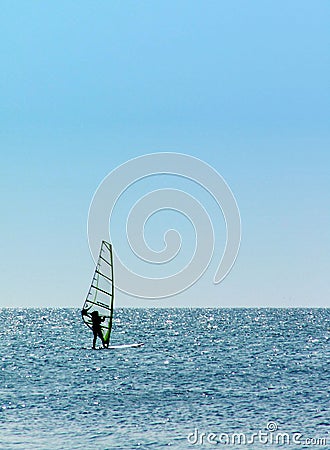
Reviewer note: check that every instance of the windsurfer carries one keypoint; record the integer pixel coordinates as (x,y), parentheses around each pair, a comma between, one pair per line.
(96,326)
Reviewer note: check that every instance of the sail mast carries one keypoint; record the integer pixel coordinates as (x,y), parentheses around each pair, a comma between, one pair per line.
(107,338)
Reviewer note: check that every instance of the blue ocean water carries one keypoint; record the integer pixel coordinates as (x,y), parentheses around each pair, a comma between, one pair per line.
(257,372)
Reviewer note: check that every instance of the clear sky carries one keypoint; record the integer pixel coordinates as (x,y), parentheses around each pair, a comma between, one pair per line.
(87,85)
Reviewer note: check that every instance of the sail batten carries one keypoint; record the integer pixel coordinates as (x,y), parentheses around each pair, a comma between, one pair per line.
(101,257)
(102,305)
(99,289)
(110,279)
(100,296)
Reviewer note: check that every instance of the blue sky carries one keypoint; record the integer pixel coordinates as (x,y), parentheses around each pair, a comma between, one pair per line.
(85,86)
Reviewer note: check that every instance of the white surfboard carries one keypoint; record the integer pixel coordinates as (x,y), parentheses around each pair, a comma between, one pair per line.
(114,347)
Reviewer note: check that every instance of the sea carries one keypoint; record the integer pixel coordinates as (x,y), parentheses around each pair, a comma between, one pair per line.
(205,378)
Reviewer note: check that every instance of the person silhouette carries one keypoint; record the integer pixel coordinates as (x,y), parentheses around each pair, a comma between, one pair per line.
(96,326)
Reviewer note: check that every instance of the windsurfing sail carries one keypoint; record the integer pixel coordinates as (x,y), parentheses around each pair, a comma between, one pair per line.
(100,296)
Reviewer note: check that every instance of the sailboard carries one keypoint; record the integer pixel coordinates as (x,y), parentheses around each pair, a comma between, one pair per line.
(100,296)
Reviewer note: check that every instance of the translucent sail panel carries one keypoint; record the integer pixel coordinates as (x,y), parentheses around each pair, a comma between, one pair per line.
(101,292)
